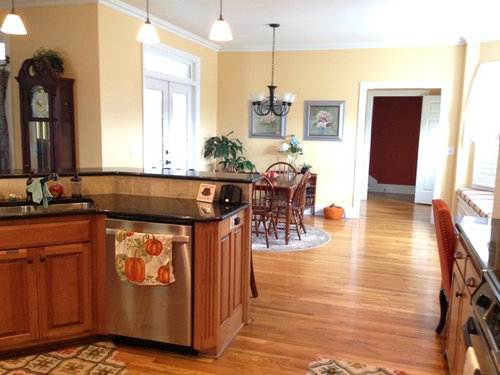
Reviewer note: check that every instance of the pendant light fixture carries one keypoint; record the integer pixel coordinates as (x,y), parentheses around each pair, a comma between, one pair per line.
(272,104)
(220,30)
(13,24)
(147,33)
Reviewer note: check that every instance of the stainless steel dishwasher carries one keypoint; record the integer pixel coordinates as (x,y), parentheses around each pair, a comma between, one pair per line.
(157,313)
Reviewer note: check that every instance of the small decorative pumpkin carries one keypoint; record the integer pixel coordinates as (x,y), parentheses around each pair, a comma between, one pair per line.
(153,246)
(333,212)
(164,274)
(135,269)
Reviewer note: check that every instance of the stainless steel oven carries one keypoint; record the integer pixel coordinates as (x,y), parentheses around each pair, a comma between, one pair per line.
(482,330)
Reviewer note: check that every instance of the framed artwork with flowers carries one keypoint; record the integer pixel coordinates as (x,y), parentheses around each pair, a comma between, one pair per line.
(269,126)
(324,120)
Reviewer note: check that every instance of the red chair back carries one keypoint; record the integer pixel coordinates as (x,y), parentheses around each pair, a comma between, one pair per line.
(446,240)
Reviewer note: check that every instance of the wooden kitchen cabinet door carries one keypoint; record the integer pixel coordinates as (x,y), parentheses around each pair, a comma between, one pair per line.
(454,316)
(18,314)
(64,277)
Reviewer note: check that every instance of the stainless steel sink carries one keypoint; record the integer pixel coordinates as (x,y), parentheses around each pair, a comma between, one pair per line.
(31,209)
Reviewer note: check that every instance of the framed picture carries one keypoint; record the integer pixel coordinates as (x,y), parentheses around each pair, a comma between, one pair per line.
(324,120)
(269,126)
(206,193)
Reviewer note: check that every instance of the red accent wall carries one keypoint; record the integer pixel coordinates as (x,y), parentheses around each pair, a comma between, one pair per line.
(394,139)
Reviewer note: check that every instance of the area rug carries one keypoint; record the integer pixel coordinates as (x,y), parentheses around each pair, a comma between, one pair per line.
(101,358)
(323,366)
(314,237)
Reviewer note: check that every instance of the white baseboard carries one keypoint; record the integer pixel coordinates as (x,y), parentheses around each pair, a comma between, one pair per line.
(375,187)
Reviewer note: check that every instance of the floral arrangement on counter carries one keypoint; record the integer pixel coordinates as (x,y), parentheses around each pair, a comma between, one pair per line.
(292,149)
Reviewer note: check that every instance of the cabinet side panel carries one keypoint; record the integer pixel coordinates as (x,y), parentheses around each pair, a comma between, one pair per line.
(225,286)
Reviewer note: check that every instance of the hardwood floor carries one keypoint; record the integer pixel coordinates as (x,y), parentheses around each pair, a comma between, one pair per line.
(369,295)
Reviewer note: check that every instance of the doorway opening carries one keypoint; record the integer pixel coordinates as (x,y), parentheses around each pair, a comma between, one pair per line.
(426,153)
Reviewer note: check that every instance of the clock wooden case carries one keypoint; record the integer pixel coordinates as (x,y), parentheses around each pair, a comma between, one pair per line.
(47,118)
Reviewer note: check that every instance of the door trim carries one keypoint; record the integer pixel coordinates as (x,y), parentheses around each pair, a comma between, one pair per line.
(362,147)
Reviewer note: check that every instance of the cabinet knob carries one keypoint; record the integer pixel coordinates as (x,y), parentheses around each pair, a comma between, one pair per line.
(458,255)
(29,260)
(42,259)
(470,282)
(458,294)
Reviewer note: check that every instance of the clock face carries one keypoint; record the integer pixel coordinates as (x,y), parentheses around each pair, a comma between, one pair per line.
(39,102)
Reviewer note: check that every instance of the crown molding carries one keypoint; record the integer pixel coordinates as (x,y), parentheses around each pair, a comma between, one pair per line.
(158,22)
(343,46)
(128,10)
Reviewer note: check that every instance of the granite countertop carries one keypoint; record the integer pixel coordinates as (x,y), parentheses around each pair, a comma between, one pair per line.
(482,236)
(161,173)
(132,207)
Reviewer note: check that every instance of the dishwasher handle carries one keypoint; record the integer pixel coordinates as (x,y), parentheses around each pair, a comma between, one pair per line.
(175,238)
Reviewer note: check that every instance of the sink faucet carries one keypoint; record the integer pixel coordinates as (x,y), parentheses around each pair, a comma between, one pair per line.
(53,176)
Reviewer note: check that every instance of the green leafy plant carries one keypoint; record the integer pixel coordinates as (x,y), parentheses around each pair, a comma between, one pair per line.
(52,56)
(227,150)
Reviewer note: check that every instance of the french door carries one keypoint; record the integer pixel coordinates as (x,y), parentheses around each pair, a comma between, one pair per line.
(168,125)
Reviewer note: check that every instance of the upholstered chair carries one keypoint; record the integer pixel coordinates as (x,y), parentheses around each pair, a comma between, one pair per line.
(446,240)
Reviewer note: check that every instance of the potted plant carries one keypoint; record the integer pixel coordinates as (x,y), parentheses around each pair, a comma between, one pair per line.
(305,167)
(53,57)
(227,149)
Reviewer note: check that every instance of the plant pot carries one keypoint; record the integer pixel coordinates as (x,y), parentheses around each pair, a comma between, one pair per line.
(334,212)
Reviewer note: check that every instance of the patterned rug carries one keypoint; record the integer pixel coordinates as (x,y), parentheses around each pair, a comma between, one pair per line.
(322,366)
(101,358)
(314,237)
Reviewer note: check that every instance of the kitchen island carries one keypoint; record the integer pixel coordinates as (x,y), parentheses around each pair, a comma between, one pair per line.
(220,268)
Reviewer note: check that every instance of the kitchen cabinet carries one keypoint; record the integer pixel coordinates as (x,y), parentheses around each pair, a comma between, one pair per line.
(221,281)
(465,279)
(51,276)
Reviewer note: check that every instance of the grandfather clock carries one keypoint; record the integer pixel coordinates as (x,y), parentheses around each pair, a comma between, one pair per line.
(47,118)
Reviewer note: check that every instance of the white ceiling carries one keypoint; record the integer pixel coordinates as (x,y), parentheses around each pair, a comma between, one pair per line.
(321,24)
(311,24)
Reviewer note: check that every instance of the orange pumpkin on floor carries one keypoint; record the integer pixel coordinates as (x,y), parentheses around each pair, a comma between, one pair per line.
(334,212)
(153,246)
(135,269)
(164,274)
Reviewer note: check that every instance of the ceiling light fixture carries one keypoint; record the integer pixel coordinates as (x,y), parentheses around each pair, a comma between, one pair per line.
(220,30)
(12,24)
(272,104)
(147,33)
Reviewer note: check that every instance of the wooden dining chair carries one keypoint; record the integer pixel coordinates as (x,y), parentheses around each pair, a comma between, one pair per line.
(262,214)
(282,168)
(298,203)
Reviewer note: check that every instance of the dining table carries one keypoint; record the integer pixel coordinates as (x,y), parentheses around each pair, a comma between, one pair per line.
(285,186)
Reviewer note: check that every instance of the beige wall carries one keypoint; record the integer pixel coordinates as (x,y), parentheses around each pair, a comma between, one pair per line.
(100,51)
(72,31)
(332,75)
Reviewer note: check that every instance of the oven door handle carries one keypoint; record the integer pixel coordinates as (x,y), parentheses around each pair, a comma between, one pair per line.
(469,328)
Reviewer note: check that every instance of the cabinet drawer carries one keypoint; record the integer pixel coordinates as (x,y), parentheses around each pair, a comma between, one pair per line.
(39,233)
(233,222)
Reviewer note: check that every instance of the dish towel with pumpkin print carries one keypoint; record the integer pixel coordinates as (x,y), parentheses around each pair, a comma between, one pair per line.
(144,258)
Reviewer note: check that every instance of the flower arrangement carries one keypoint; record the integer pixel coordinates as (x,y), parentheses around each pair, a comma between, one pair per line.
(292,149)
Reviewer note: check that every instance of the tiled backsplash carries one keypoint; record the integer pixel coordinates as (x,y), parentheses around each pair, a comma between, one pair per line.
(135,185)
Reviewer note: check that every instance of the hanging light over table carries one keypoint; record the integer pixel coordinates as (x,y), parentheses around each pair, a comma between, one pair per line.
(273,104)
(220,30)
(147,33)
(13,24)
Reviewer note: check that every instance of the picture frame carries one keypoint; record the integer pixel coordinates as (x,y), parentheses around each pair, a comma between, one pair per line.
(206,193)
(269,126)
(324,120)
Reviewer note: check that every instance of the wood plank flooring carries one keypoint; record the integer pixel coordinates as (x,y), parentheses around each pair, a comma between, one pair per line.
(369,295)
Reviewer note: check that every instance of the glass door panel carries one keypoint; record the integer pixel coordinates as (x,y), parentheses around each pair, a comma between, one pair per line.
(40,146)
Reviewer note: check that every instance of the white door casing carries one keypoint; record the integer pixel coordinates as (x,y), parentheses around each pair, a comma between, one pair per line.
(428,147)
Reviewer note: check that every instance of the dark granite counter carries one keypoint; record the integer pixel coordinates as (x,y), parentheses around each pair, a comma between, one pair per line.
(163,173)
(162,209)
(130,207)
(482,236)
